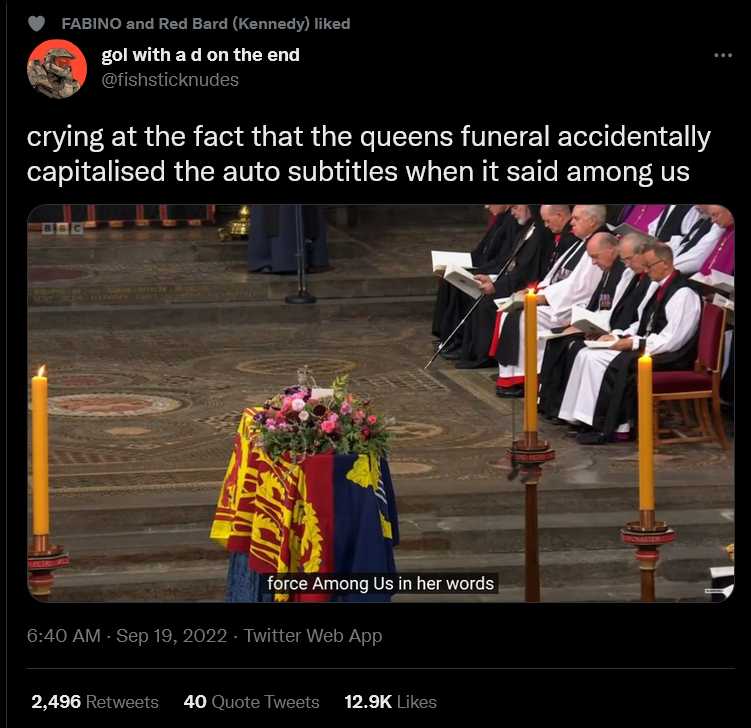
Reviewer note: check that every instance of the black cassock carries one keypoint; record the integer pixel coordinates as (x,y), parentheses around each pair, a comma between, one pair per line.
(670,221)
(530,254)
(561,243)
(563,264)
(617,397)
(488,256)
(274,229)
(561,353)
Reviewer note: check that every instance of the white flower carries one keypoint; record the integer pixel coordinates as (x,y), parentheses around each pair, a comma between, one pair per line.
(298,405)
(304,415)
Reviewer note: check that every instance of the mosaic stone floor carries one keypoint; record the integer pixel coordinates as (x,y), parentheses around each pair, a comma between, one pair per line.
(161,401)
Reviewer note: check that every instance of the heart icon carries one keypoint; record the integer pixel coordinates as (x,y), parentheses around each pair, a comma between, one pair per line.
(36,22)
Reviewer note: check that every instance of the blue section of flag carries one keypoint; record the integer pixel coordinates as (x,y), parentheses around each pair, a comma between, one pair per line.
(359,543)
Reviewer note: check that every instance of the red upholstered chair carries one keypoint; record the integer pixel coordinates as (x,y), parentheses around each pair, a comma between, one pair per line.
(702,385)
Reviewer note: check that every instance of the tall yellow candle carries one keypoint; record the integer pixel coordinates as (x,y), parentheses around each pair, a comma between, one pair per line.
(40,455)
(646,436)
(530,361)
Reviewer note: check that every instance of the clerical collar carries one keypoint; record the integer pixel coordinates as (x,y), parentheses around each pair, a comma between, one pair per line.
(669,278)
(664,285)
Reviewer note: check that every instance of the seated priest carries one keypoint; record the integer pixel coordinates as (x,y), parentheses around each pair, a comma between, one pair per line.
(722,257)
(601,391)
(632,292)
(488,256)
(673,222)
(557,219)
(531,248)
(570,282)
(691,250)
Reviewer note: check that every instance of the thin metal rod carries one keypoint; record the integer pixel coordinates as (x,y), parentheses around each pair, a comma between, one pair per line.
(300,250)
(451,335)
(469,313)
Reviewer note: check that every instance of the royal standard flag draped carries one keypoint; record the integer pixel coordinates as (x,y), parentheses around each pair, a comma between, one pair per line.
(327,514)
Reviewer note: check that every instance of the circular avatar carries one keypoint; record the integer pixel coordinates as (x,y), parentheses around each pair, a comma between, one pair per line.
(56,68)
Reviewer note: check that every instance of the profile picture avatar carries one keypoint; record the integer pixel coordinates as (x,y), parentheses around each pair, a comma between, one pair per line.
(57,68)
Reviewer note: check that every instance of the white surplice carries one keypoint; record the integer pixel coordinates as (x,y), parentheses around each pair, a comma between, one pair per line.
(682,311)
(686,224)
(574,290)
(691,261)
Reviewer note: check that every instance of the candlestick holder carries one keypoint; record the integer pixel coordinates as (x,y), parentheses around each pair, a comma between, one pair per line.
(647,535)
(43,559)
(527,456)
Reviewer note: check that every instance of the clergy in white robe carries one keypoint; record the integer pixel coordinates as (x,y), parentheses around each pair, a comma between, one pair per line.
(673,223)
(634,288)
(600,390)
(691,250)
(570,282)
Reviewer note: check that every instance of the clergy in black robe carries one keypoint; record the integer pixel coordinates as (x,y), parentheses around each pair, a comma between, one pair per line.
(570,282)
(674,221)
(631,288)
(487,257)
(557,219)
(530,250)
(274,234)
(691,250)
(602,386)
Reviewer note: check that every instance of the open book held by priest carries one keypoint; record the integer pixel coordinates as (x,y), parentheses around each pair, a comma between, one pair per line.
(443,258)
(589,323)
(464,280)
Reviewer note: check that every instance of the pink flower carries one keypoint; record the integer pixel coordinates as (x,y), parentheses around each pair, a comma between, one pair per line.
(270,426)
(333,417)
(365,432)
(346,408)
(286,404)
(328,426)
(359,416)
(372,419)
(298,405)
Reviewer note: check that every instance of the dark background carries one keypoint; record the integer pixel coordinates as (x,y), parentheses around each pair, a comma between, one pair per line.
(493,69)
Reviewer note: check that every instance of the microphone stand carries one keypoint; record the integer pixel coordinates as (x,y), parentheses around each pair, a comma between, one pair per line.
(450,336)
(471,310)
(302,295)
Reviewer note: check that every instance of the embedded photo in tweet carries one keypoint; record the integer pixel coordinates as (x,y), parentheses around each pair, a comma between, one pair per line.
(500,402)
